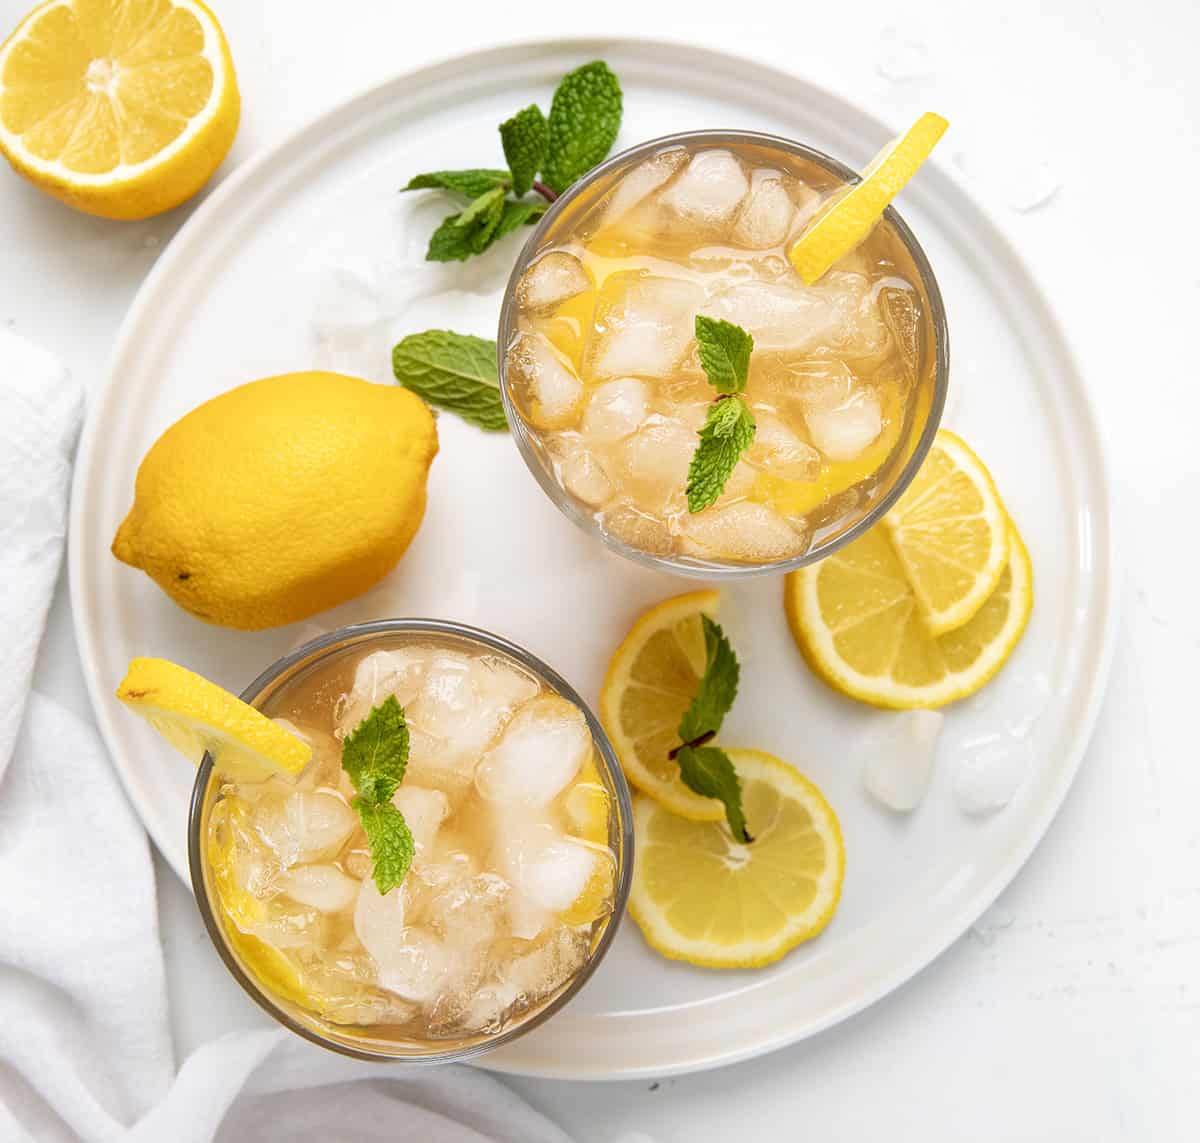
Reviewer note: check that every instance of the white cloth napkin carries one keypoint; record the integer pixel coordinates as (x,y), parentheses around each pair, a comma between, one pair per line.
(85,1050)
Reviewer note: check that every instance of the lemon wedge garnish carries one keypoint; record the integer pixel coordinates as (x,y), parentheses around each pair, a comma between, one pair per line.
(651,680)
(842,227)
(122,108)
(702,897)
(194,715)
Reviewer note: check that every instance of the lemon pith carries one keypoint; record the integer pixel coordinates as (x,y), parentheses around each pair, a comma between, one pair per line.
(195,715)
(855,619)
(699,896)
(652,678)
(120,108)
(950,533)
(281,498)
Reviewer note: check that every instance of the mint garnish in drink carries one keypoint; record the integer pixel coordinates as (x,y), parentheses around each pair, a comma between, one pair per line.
(729,428)
(707,769)
(453,371)
(375,757)
(584,119)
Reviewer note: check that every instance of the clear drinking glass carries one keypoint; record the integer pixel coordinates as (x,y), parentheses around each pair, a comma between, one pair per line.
(309,662)
(922,414)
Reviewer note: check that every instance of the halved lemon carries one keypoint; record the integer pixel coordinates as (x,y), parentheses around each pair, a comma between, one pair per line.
(121,108)
(950,533)
(855,619)
(651,680)
(194,715)
(702,897)
(846,223)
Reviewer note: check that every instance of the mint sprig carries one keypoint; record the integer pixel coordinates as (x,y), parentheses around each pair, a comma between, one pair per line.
(585,116)
(375,757)
(706,769)
(729,427)
(453,371)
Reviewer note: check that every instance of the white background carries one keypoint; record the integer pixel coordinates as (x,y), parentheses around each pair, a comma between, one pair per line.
(1072,1012)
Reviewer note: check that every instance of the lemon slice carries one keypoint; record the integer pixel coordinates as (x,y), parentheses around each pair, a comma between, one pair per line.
(700,896)
(843,226)
(651,681)
(122,108)
(950,533)
(855,619)
(194,715)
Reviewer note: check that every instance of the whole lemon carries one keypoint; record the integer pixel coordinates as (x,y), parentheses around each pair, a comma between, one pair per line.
(281,498)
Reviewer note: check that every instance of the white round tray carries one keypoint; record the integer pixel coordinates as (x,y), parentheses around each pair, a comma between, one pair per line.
(233,298)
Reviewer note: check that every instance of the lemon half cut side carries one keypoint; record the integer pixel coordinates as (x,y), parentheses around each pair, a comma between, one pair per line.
(119,108)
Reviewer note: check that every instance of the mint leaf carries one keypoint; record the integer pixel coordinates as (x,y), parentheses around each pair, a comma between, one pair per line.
(524,140)
(482,207)
(452,371)
(376,754)
(375,757)
(471,231)
(726,434)
(518,213)
(724,353)
(390,840)
(450,242)
(584,120)
(708,771)
(718,686)
(469,183)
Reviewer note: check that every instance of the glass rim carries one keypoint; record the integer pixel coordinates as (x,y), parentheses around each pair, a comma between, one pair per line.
(683,566)
(327,644)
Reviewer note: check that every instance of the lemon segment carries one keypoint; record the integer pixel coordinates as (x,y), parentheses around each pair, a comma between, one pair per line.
(856,621)
(950,534)
(652,678)
(844,225)
(586,806)
(121,108)
(194,715)
(701,897)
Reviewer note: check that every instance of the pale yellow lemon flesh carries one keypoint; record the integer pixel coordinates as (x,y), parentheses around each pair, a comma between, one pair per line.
(701,897)
(121,108)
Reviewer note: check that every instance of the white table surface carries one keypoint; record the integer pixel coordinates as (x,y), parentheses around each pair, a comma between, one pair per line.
(1073,1011)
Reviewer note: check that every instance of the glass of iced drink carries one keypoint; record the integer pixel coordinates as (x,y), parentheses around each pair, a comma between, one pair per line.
(523,842)
(602,381)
